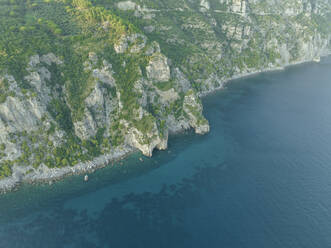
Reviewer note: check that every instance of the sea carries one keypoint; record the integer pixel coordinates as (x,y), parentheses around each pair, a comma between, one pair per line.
(260,179)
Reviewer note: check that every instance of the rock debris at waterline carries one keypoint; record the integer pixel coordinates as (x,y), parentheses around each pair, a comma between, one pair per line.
(136,103)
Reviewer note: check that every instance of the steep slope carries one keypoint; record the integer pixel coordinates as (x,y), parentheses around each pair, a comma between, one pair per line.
(82,79)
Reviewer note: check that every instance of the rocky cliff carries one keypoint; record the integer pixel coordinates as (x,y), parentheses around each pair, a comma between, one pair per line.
(83,79)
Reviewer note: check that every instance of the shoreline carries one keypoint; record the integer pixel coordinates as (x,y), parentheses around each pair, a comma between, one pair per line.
(268,69)
(47,175)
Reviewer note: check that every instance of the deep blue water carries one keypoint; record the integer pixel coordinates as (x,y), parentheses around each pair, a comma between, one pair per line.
(260,178)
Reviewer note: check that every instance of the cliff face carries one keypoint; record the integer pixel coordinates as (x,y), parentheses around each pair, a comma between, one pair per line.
(127,73)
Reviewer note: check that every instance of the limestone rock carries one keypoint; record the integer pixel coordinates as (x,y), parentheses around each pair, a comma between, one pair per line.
(168,96)
(204,4)
(34,61)
(136,42)
(126,5)
(86,127)
(176,125)
(147,142)
(209,42)
(202,128)
(158,68)
(193,108)
(181,80)
(154,47)
(105,74)
(239,6)
(121,45)
(21,115)
(50,58)
(96,97)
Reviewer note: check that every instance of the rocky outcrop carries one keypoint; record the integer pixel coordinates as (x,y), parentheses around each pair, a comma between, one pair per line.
(19,115)
(126,5)
(204,5)
(135,43)
(181,80)
(147,141)
(135,139)
(128,90)
(193,108)
(176,125)
(85,128)
(158,68)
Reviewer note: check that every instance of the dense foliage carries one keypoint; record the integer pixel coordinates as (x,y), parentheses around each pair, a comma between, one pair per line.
(207,44)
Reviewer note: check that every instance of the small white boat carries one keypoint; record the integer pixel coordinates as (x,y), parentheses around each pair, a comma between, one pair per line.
(86,178)
(317,59)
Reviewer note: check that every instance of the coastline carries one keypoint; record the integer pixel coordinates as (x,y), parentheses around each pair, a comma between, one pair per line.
(47,175)
(267,69)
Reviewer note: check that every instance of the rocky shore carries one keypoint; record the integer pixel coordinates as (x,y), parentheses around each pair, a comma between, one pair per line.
(268,69)
(137,81)
(46,175)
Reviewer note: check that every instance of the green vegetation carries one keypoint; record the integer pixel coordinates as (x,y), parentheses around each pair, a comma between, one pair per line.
(165,86)
(5,169)
(146,124)
(61,113)
(206,47)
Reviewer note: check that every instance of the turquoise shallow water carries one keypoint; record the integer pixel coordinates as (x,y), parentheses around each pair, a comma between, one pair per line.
(260,178)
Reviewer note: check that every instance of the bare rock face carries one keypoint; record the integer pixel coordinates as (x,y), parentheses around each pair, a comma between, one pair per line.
(86,127)
(92,61)
(25,111)
(99,103)
(176,125)
(154,47)
(95,99)
(158,69)
(168,96)
(136,42)
(126,5)
(20,114)
(181,80)
(255,36)
(239,6)
(163,144)
(202,128)
(193,108)
(121,45)
(204,5)
(11,149)
(37,78)
(95,102)
(147,142)
(3,131)
(39,75)
(50,58)
(34,61)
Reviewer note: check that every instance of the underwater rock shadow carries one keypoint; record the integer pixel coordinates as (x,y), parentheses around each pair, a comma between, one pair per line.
(136,220)
(73,186)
